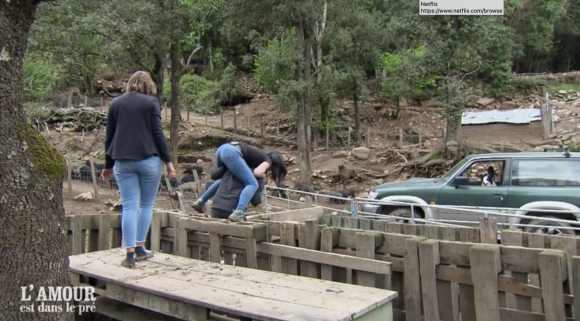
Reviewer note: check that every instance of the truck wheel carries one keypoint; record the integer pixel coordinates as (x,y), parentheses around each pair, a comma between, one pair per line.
(402,212)
(555,228)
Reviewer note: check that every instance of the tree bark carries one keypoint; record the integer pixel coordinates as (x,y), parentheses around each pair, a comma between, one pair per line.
(175,110)
(33,237)
(303,74)
(357,129)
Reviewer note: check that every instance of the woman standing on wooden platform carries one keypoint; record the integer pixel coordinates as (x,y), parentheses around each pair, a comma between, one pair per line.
(135,147)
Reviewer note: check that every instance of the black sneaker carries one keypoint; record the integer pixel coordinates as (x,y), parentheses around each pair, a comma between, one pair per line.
(128,263)
(198,206)
(141,254)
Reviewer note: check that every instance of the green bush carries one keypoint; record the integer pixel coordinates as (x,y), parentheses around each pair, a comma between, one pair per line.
(40,77)
(199,94)
(276,62)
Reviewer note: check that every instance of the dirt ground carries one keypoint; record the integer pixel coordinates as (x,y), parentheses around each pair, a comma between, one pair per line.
(200,135)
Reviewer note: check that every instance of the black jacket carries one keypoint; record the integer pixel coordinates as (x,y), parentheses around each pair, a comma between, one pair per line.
(134,130)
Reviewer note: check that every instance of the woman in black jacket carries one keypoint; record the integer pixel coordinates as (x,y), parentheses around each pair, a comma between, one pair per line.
(136,149)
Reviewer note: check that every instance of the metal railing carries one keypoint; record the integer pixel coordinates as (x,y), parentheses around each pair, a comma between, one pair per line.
(505,216)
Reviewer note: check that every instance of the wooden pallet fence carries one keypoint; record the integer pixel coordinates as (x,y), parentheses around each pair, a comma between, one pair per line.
(440,273)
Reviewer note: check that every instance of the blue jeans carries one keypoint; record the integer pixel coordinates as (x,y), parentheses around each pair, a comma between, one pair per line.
(230,156)
(138,184)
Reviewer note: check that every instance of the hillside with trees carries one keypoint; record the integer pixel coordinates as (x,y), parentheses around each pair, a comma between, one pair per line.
(307,54)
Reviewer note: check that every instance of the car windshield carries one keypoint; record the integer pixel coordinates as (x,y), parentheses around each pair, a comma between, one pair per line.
(449,175)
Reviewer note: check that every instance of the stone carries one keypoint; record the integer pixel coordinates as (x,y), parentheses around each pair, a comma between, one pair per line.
(361,153)
(508,105)
(340,154)
(484,102)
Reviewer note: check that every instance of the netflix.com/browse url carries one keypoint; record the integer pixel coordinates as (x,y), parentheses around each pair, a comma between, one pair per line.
(463,11)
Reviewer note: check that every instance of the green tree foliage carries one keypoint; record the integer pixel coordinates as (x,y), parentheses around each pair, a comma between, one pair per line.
(276,62)
(406,74)
(40,77)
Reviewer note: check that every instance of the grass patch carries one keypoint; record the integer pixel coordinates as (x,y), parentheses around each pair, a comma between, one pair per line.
(567,87)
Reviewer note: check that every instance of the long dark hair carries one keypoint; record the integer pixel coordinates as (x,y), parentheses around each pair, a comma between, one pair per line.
(278,171)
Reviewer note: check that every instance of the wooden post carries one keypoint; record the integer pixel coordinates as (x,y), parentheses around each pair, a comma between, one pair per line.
(86,101)
(235,122)
(188,112)
(485,267)
(327,137)
(69,178)
(278,127)
(166,110)
(169,191)
(368,136)
(70,95)
(488,230)
(401,136)
(420,140)
(349,133)
(249,125)
(94,177)
(205,117)
(262,125)
(101,103)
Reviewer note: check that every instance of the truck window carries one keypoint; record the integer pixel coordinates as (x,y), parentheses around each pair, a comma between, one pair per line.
(543,172)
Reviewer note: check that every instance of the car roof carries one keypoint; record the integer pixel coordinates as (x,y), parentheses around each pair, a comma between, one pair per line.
(523,155)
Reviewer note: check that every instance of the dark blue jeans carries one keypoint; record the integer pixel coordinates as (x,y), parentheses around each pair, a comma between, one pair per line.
(230,156)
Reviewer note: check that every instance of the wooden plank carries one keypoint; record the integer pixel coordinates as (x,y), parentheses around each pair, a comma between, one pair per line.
(466,292)
(515,301)
(180,246)
(300,215)
(215,253)
(448,291)
(288,238)
(412,280)
(104,232)
(202,284)
(485,266)
(365,248)
(121,311)
(254,230)
(164,262)
(553,272)
(328,240)
(536,241)
(488,228)
(576,272)
(155,232)
(311,242)
(429,259)
(569,246)
(77,241)
(361,264)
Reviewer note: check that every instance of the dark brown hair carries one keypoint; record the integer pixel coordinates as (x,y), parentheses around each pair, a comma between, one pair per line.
(141,82)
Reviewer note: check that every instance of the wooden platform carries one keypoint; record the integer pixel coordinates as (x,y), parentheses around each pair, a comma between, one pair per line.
(188,289)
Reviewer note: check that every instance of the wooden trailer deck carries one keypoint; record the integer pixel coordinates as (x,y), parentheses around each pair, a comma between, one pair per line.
(189,289)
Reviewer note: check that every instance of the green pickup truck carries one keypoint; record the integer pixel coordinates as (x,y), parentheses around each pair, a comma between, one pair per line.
(530,184)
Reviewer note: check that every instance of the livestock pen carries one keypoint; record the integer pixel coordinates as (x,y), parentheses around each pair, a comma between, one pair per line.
(439,272)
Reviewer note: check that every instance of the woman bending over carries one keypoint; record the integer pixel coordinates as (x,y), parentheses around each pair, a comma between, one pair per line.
(238,158)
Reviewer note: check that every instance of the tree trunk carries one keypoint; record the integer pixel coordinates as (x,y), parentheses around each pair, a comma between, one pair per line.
(303,152)
(33,237)
(175,110)
(159,77)
(356,116)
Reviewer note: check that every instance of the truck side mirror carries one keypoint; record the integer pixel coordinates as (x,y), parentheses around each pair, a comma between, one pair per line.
(461,181)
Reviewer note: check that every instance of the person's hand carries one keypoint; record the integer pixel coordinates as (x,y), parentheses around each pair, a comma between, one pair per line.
(106,174)
(170,170)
